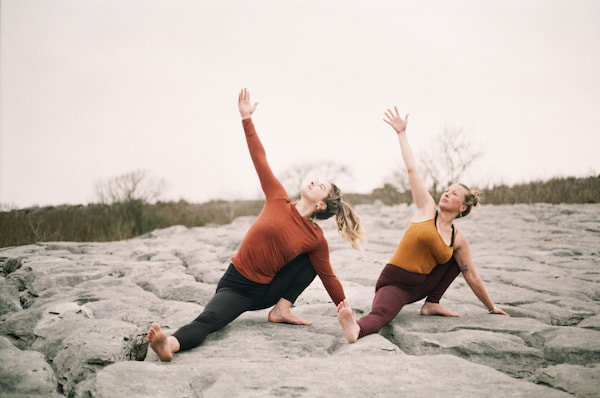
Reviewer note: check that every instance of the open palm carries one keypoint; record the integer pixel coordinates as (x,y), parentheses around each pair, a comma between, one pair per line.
(245,106)
(395,120)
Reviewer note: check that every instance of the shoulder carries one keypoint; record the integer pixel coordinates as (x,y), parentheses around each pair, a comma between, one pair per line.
(460,240)
(321,240)
(281,197)
(319,232)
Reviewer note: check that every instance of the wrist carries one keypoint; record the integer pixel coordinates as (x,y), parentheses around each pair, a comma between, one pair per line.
(492,310)
(246,116)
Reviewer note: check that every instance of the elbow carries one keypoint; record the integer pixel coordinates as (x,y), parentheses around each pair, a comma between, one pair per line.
(411,170)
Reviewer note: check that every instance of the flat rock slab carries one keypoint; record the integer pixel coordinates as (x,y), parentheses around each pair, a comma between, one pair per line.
(73,316)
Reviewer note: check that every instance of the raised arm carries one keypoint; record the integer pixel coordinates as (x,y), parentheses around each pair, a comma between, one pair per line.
(462,254)
(423,200)
(271,186)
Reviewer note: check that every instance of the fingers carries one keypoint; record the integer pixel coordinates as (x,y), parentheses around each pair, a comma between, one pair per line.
(388,117)
(498,311)
(395,114)
(244,96)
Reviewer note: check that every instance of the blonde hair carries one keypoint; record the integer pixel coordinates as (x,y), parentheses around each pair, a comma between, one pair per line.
(471,200)
(348,222)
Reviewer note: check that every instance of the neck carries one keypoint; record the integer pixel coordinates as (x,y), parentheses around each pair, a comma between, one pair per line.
(305,209)
(445,218)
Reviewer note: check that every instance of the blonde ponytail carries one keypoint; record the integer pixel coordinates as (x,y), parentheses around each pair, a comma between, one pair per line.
(349,225)
(348,222)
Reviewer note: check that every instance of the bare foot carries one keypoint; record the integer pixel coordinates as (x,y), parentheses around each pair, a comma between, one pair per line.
(282,313)
(160,343)
(348,321)
(436,309)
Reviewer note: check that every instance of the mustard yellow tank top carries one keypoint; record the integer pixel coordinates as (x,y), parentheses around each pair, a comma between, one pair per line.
(422,248)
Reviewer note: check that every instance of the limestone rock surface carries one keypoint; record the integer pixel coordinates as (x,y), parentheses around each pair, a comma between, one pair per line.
(74,316)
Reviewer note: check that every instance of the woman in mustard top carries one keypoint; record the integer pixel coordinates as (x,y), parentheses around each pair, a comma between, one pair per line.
(429,257)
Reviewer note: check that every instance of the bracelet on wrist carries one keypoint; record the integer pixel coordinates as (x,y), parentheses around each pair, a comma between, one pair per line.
(492,310)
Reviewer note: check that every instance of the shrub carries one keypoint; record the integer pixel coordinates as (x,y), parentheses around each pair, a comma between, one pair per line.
(124,220)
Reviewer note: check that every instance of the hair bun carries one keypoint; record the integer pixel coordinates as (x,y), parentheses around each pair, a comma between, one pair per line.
(475,198)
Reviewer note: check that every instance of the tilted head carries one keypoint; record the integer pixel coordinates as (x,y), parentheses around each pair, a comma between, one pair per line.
(317,193)
(460,199)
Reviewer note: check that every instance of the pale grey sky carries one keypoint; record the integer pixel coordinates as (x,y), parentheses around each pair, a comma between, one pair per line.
(94,89)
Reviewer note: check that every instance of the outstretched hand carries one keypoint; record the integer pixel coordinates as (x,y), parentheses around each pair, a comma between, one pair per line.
(245,106)
(395,120)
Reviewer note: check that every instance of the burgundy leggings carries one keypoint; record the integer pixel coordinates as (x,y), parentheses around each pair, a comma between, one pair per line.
(396,287)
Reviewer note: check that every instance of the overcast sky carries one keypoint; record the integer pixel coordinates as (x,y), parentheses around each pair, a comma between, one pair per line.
(94,89)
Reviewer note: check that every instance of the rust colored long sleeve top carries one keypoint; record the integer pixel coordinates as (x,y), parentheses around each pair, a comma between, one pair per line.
(280,233)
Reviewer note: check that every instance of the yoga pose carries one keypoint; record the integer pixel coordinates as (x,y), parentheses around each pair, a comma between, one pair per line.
(281,254)
(429,257)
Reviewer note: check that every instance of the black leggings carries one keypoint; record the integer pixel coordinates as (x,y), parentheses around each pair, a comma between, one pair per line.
(396,287)
(236,294)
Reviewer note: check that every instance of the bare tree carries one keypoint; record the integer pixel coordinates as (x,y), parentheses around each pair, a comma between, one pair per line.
(293,177)
(446,160)
(135,185)
(450,154)
(398,179)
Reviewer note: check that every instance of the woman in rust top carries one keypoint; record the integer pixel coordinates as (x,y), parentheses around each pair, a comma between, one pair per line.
(278,258)
(429,257)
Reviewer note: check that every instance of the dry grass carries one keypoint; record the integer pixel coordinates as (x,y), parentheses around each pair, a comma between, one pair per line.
(97,223)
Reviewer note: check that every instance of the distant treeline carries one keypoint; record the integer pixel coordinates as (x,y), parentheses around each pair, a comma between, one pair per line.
(557,190)
(118,221)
